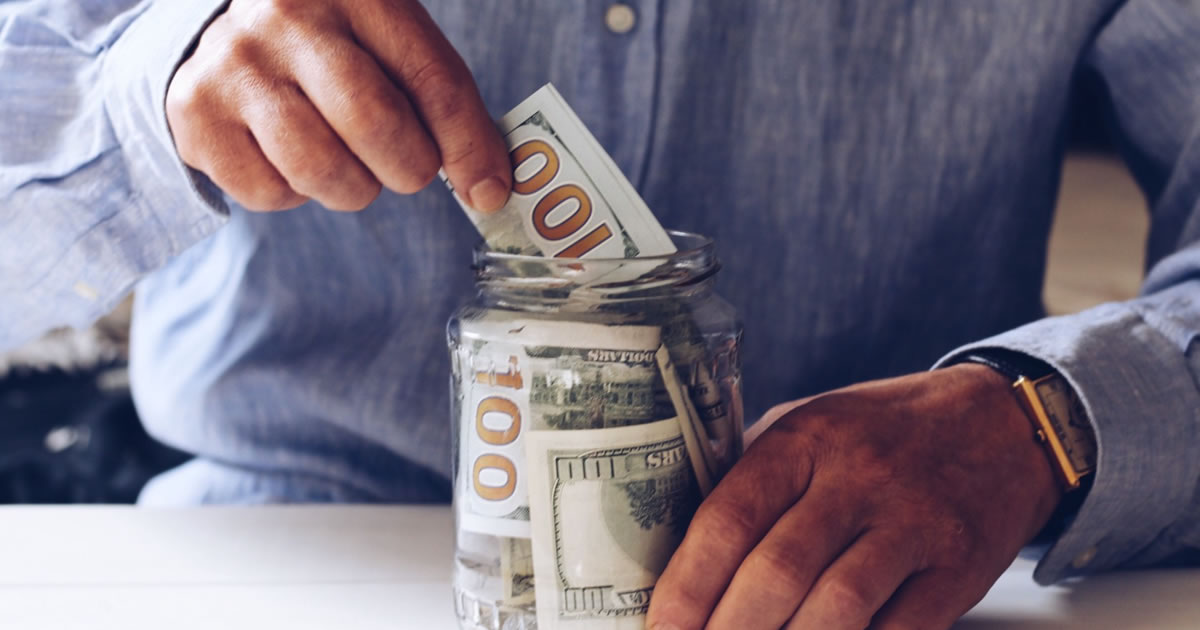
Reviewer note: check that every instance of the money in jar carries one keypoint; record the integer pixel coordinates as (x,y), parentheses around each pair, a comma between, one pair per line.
(594,402)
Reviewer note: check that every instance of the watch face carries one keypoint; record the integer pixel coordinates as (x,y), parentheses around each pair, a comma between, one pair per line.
(1069,418)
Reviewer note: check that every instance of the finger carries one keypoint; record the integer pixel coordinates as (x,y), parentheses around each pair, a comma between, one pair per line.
(730,522)
(370,114)
(234,162)
(309,155)
(778,573)
(418,57)
(858,583)
(930,600)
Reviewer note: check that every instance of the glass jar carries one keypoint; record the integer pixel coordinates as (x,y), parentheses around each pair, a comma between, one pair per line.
(594,402)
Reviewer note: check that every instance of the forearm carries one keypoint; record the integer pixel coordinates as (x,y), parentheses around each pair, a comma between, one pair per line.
(92,194)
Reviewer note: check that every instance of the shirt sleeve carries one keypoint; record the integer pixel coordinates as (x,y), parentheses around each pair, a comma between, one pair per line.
(92,192)
(1135,364)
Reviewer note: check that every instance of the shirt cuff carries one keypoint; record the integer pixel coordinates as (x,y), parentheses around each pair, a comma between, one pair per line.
(137,71)
(1141,395)
(166,208)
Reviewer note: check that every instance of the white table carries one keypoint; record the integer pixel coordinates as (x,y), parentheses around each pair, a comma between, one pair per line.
(361,568)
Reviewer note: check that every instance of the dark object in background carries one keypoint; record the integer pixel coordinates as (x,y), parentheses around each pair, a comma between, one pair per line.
(74,437)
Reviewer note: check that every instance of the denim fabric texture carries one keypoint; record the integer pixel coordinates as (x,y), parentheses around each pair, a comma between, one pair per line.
(879,175)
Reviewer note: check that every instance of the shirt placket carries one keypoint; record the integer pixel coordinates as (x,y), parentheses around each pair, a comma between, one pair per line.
(616,87)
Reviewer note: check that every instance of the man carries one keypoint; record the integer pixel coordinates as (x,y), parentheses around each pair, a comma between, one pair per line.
(879,176)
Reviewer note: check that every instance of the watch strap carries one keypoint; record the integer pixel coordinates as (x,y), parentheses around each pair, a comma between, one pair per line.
(1010,363)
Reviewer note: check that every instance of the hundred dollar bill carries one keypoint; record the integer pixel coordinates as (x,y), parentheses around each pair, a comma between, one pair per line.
(518,375)
(570,200)
(609,507)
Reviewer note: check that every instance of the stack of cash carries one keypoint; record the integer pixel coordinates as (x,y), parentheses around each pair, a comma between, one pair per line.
(585,441)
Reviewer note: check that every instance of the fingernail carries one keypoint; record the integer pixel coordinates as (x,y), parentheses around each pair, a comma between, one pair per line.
(488,195)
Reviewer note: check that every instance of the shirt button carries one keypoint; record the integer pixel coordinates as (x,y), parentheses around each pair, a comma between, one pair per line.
(1084,558)
(620,18)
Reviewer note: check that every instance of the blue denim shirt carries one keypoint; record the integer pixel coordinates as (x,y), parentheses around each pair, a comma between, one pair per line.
(880,177)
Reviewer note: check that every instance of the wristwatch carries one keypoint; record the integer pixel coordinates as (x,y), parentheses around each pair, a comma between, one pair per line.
(1059,419)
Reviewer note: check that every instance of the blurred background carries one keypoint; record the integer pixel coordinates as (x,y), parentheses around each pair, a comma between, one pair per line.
(69,432)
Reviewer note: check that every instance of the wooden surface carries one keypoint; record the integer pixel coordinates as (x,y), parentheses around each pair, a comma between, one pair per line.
(363,568)
(1098,244)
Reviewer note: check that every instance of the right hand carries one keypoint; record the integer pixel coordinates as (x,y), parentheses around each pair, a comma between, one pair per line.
(287,100)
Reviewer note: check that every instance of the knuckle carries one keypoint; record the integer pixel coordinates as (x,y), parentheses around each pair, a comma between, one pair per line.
(722,520)
(412,181)
(182,94)
(436,74)
(178,106)
(282,106)
(411,164)
(191,98)
(242,50)
(311,162)
(371,118)
(412,160)
(253,185)
(357,198)
(786,571)
(441,87)
(847,599)
(876,464)
(316,176)
(675,602)
(809,444)
(263,196)
(270,200)
(419,172)
(806,421)
(224,51)
(455,154)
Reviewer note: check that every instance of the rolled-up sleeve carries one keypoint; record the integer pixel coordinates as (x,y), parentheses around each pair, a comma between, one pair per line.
(92,192)
(1135,364)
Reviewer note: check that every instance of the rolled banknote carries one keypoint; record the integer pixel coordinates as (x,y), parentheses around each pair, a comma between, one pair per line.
(694,435)
(608,509)
(697,367)
(569,198)
(516,570)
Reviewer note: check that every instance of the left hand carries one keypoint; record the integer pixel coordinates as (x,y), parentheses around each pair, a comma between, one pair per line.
(891,505)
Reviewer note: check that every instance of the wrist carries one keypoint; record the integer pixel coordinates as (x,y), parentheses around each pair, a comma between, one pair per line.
(1016,436)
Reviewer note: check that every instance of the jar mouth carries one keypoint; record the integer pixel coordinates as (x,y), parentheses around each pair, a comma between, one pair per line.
(693,261)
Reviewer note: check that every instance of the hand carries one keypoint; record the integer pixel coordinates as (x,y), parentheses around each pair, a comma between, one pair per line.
(890,505)
(284,100)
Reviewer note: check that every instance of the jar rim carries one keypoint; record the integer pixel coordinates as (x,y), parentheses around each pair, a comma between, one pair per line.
(694,262)
(700,245)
